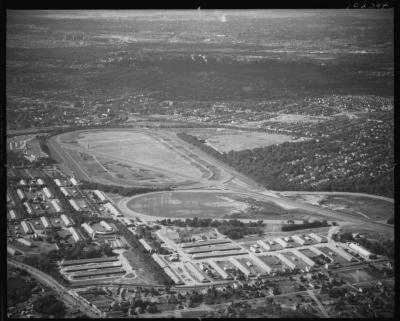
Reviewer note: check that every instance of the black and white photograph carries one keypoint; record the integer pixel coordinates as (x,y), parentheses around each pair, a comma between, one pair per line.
(199,163)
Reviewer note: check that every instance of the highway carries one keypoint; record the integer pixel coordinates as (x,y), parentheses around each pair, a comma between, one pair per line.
(69,297)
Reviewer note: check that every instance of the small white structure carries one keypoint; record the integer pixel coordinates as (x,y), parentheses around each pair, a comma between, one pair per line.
(106,226)
(28,208)
(73,181)
(360,250)
(58,182)
(111,208)
(21,194)
(100,195)
(264,245)
(47,192)
(22,182)
(281,242)
(64,191)
(45,221)
(66,220)
(315,237)
(40,182)
(74,205)
(26,227)
(298,239)
(287,262)
(12,214)
(89,230)
(25,242)
(76,236)
(56,204)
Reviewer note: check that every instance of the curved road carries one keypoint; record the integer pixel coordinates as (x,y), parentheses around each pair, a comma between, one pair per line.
(69,297)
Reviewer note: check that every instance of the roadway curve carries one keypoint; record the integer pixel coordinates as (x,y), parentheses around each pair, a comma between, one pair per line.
(69,297)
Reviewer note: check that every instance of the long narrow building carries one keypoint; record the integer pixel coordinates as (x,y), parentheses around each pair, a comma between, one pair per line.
(76,236)
(66,220)
(100,195)
(47,192)
(286,261)
(111,208)
(12,214)
(28,208)
(172,275)
(264,245)
(89,230)
(195,272)
(56,204)
(219,270)
(64,191)
(266,268)
(240,266)
(305,258)
(26,227)
(58,182)
(146,245)
(160,261)
(21,194)
(74,205)
(73,181)
(45,222)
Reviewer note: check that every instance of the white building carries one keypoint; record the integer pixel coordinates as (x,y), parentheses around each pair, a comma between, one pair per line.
(66,220)
(100,195)
(25,242)
(315,237)
(298,239)
(13,216)
(287,262)
(262,264)
(219,270)
(74,205)
(197,274)
(281,242)
(73,181)
(172,275)
(240,266)
(22,182)
(160,261)
(89,229)
(264,245)
(56,204)
(146,245)
(64,191)
(21,194)
(360,250)
(45,222)
(28,208)
(26,227)
(75,234)
(106,226)
(58,182)
(47,192)
(40,182)
(111,208)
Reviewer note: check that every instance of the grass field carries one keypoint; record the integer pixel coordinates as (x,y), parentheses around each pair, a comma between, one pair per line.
(212,204)
(225,140)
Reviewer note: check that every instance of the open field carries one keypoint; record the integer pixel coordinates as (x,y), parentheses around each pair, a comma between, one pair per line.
(225,140)
(371,207)
(212,204)
(129,158)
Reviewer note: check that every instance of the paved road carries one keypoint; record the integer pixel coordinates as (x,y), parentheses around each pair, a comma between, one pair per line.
(319,304)
(69,297)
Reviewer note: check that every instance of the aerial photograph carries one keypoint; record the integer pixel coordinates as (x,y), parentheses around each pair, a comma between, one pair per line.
(200,163)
